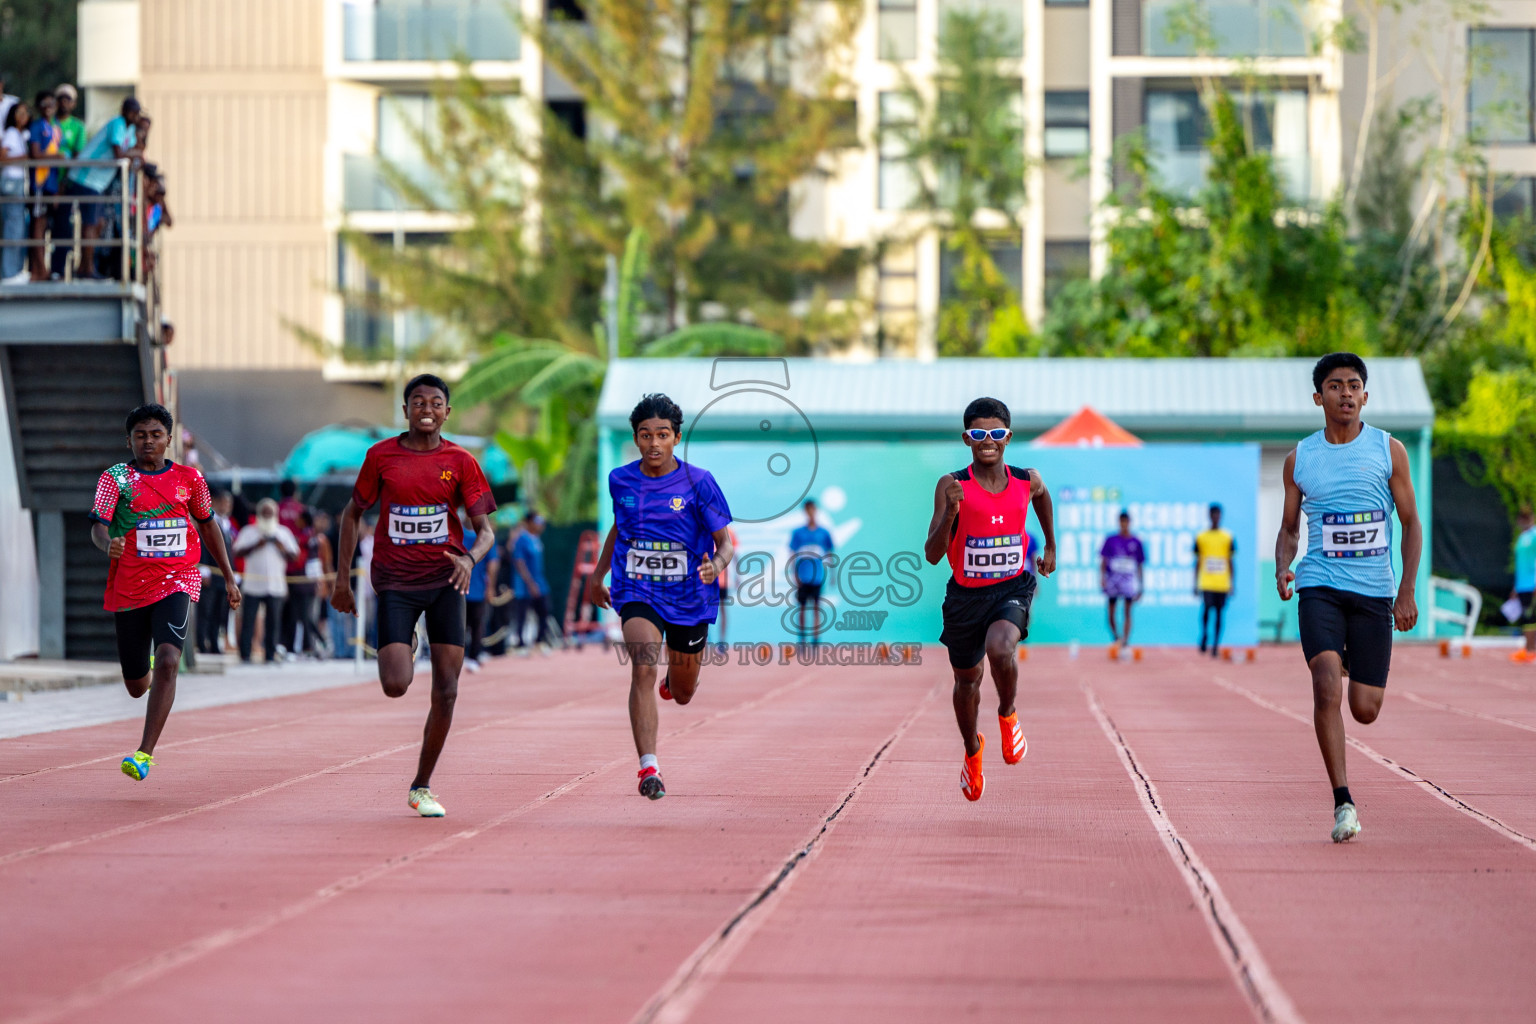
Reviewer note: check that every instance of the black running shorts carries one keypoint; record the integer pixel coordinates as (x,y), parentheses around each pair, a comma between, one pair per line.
(1214,599)
(443,607)
(1357,627)
(1527,617)
(970,611)
(142,630)
(682,639)
(807,593)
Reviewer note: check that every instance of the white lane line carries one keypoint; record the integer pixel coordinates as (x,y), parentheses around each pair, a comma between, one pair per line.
(1264,995)
(1453,709)
(164,962)
(676,1000)
(1398,770)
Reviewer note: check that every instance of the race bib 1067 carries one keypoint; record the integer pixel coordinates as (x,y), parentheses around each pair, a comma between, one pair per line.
(659,561)
(989,558)
(161,538)
(418,524)
(1354,534)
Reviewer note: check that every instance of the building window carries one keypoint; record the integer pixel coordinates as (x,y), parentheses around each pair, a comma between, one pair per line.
(428,30)
(1066,3)
(1009,14)
(1064,262)
(1500,94)
(896,300)
(898,178)
(1178,127)
(898,29)
(1066,123)
(374,331)
(1514,197)
(1007,254)
(1236,28)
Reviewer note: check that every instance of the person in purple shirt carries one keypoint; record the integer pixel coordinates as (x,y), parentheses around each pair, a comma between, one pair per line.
(669,542)
(1120,564)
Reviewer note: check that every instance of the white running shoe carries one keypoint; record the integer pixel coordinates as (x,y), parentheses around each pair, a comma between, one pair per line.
(1346,823)
(471,665)
(424,802)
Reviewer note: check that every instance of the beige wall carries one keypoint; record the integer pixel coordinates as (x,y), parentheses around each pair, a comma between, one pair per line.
(237,93)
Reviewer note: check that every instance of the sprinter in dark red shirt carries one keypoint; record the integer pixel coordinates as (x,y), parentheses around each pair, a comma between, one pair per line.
(420,566)
(979,515)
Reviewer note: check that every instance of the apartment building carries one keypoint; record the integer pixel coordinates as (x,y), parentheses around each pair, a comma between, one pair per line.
(271,119)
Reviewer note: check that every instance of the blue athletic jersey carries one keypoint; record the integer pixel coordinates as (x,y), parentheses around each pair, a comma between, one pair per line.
(810,546)
(665,526)
(1348,503)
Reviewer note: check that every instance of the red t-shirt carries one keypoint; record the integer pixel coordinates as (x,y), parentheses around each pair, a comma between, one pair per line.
(155,512)
(420,494)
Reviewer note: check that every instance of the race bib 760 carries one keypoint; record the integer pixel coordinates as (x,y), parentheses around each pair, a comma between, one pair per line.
(659,561)
(1355,534)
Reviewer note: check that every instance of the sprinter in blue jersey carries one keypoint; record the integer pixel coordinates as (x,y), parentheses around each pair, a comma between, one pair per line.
(1348,478)
(669,542)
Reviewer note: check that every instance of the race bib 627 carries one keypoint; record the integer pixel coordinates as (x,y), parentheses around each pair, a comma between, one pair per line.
(1354,534)
(418,524)
(161,538)
(994,557)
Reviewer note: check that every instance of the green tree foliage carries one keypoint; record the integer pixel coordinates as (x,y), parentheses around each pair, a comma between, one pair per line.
(37,44)
(965,144)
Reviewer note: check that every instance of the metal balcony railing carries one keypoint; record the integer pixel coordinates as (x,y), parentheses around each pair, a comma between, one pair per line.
(396,30)
(366,188)
(1241,28)
(122,214)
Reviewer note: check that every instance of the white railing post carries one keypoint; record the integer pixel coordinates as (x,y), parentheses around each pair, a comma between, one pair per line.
(362,622)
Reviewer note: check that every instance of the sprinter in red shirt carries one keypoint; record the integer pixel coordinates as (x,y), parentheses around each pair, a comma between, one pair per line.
(420,565)
(979,515)
(152,518)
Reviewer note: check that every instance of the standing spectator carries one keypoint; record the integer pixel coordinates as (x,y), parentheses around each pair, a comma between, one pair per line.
(530,590)
(300,633)
(43,144)
(480,578)
(266,545)
(1121,561)
(291,513)
(1524,590)
(321,568)
(71,127)
(118,139)
(499,593)
(13,186)
(213,609)
(7,101)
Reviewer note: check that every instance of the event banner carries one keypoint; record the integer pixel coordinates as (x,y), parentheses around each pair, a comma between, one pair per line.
(876,500)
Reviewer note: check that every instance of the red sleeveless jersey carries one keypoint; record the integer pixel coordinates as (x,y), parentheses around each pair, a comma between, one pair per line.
(988,543)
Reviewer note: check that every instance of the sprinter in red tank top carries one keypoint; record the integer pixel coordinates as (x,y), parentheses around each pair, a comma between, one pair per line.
(979,515)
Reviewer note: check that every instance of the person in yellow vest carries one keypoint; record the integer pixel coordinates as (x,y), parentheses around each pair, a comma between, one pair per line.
(1215,571)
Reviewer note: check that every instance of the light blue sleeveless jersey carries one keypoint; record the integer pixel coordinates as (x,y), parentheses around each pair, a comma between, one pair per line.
(1348,503)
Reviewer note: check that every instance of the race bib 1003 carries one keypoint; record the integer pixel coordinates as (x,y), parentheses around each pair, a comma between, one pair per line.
(659,561)
(161,538)
(1354,534)
(988,558)
(418,524)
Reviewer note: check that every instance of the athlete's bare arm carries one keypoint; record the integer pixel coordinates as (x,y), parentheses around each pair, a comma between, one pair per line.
(1404,610)
(711,568)
(464,565)
(946,507)
(341,597)
(597,590)
(213,540)
(113,546)
(1289,537)
(1045,511)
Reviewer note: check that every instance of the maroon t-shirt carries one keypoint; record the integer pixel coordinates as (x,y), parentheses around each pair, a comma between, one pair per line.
(419,494)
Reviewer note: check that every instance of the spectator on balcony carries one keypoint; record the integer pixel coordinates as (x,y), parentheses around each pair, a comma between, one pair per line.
(155,213)
(43,144)
(71,127)
(117,140)
(13,195)
(7,101)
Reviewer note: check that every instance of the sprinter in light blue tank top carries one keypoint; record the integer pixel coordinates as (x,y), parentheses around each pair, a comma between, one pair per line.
(1348,478)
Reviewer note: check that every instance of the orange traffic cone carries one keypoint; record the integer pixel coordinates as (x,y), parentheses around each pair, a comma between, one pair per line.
(1445,648)
(1023,653)
(1114,652)
(1136,654)
(1252,654)
(1226,654)
(1466,650)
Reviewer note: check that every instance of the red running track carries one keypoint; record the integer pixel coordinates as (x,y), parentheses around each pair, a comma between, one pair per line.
(1161,855)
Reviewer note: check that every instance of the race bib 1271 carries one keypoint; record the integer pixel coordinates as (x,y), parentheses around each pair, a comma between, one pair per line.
(1355,534)
(418,524)
(659,561)
(161,538)
(994,557)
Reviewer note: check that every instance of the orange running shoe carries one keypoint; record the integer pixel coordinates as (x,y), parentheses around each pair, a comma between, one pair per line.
(1522,655)
(1015,746)
(971,780)
(664,690)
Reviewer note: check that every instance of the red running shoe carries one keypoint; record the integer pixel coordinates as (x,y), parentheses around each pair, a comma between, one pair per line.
(1015,746)
(971,780)
(650,784)
(665,691)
